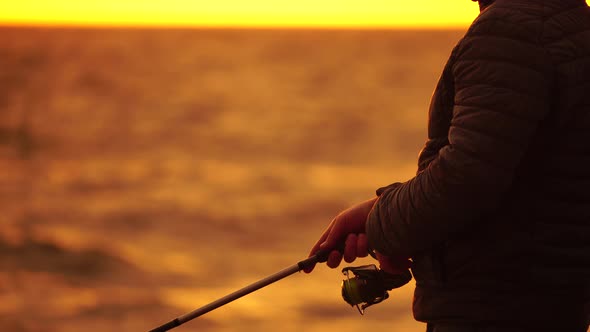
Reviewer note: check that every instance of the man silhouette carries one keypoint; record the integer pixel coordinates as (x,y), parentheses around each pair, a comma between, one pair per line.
(496,223)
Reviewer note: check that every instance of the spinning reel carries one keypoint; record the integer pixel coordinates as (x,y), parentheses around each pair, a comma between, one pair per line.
(369,285)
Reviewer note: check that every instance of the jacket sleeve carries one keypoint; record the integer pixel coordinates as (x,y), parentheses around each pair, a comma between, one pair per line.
(502,81)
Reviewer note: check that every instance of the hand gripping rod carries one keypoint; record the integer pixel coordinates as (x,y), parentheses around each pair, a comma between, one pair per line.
(320,257)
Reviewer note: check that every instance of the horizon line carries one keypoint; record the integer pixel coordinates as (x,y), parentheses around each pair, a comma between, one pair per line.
(99,25)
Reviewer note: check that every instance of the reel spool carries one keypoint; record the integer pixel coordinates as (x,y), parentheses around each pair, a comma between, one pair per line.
(368,285)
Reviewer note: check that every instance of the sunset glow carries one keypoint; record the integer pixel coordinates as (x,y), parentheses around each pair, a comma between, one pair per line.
(241,13)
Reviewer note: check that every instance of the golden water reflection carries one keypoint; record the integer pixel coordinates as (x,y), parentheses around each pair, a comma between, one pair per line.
(146,173)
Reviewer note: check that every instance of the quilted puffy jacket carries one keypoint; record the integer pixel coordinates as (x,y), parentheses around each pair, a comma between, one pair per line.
(497,219)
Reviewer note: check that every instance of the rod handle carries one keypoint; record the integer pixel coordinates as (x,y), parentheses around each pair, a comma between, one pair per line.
(319,257)
(322,255)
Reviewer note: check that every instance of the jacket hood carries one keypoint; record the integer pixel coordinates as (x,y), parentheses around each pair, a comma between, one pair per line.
(483,3)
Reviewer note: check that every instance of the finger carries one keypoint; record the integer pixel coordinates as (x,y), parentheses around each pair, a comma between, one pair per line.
(350,248)
(362,245)
(322,239)
(334,259)
(335,235)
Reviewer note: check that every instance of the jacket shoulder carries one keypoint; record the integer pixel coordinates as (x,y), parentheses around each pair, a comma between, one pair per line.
(509,20)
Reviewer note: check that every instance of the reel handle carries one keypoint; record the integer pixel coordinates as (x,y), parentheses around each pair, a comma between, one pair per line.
(393,281)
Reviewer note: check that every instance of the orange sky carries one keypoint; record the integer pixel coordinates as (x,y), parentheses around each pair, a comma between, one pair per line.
(328,13)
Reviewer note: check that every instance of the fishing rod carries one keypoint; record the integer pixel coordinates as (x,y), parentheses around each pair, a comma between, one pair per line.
(367,286)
